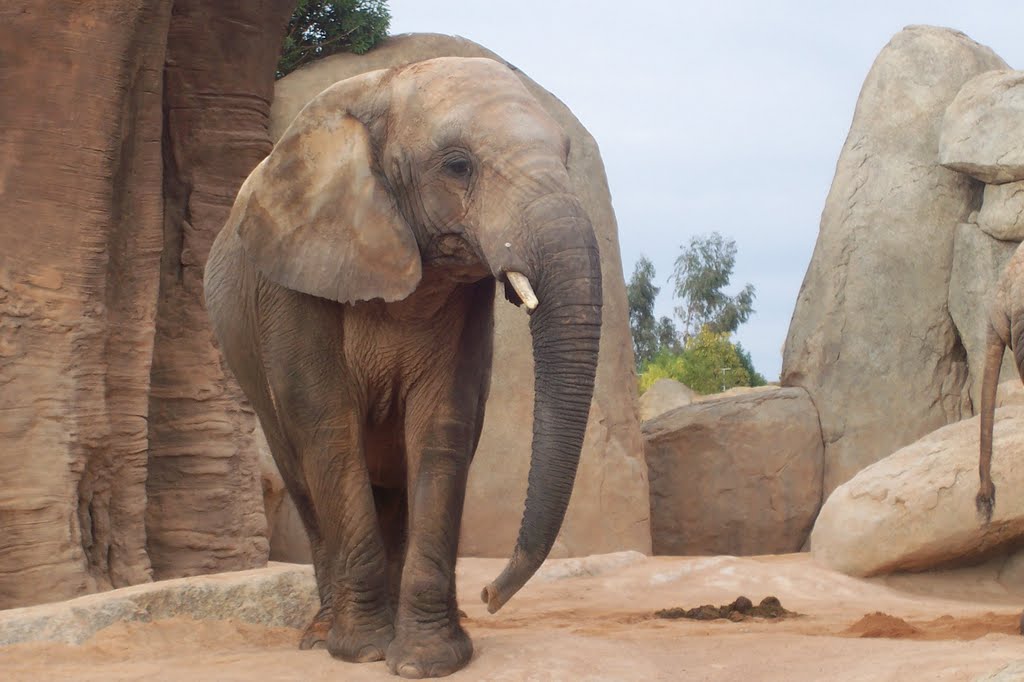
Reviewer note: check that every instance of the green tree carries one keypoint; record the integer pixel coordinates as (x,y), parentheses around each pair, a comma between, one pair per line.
(709,363)
(322,27)
(667,336)
(662,366)
(702,271)
(650,335)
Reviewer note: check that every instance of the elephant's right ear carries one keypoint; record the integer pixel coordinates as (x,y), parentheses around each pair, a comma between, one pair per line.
(315,217)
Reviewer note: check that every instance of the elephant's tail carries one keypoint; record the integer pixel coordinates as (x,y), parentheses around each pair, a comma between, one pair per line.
(986,498)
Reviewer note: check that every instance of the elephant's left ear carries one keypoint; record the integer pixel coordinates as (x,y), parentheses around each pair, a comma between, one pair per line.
(315,217)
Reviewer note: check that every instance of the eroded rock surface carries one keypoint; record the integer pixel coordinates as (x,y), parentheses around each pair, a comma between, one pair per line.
(121,148)
(914,510)
(80,200)
(983,128)
(871,339)
(205,511)
(1010,392)
(280,595)
(735,474)
(1002,211)
(664,395)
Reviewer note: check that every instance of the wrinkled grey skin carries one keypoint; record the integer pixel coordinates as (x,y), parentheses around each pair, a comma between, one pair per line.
(352,293)
(1005,329)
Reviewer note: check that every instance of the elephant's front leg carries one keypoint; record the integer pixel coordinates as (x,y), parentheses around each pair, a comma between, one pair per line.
(441,437)
(362,626)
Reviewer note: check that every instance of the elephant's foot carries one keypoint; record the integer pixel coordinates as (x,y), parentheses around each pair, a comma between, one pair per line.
(423,652)
(315,634)
(363,642)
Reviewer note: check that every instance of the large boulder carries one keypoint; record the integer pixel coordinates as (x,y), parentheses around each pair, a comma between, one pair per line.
(1010,393)
(609,508)
(738,473)
(914,510)
(871,338)
(1002,211)
(983,130)
(665,395)
(978,262)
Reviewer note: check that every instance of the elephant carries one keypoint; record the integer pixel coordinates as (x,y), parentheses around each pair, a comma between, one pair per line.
(352,293)
(1005,329)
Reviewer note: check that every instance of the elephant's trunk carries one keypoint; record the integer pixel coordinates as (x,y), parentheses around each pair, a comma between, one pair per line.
(566,330)
(986,497)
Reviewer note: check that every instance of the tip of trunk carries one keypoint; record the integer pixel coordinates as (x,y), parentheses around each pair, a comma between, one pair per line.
(490,596)
(516,573)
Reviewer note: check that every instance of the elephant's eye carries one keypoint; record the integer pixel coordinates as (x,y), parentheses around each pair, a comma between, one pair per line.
(459,166)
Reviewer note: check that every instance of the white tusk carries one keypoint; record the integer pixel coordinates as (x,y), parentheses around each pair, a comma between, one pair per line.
(523,289)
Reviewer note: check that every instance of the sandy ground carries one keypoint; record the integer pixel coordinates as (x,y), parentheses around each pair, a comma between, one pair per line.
(592,619)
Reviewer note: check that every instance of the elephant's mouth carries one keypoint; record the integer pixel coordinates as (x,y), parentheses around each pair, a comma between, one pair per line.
(462,263)
(457,256)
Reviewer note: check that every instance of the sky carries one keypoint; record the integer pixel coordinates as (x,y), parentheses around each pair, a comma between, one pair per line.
(713,116)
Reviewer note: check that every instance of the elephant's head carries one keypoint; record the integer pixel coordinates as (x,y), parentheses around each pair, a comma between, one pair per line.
(448,163)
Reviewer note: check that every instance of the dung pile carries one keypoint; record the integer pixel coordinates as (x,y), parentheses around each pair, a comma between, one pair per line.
(740,609)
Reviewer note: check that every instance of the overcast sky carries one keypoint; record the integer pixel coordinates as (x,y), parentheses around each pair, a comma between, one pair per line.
(724,116)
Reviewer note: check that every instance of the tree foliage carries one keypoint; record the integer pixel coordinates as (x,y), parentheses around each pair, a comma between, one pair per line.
(704,358)
(667,336)
(640,294)
(322,27)
(650,335)
(702,271)
(710,362)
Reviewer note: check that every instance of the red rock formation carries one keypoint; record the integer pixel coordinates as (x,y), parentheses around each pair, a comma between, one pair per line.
(87,167)
(205,508)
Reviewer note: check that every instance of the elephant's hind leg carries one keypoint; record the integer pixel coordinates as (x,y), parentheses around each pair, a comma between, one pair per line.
(315,634)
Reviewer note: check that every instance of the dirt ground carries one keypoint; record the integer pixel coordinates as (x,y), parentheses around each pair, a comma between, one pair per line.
(592,619)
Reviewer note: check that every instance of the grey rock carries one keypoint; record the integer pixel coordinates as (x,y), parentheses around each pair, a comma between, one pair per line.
(1010,393)
(280,595)
(983,129)
(735,474)
(914,510)
(664,395)
(1011,672)
(1002,211)
(871,338)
